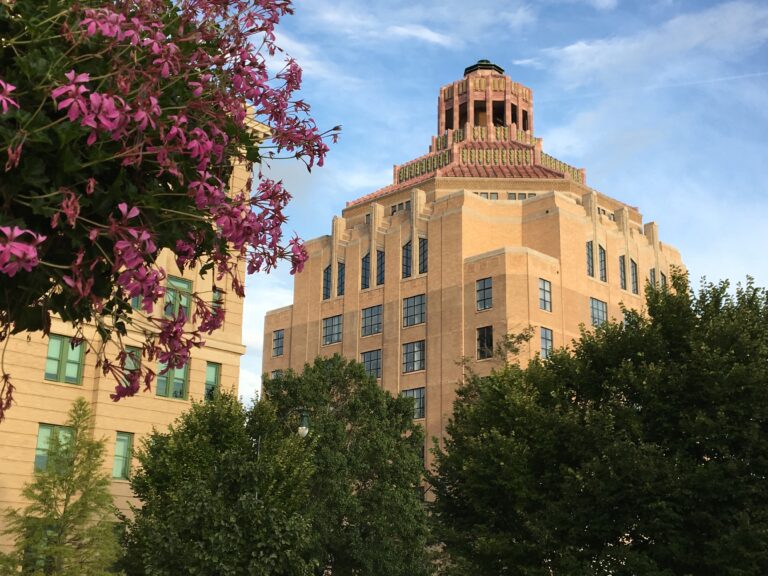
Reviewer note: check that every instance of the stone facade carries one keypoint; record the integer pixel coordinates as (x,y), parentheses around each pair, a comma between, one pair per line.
(496,234)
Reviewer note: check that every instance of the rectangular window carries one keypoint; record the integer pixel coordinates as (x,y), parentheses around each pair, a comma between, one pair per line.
(174,383)
(423,255)
(547,342)
(178,297)
(484,293)
(663,280)
(370,320)
(44,434)
(62,362)
(132,363)
(633,275)
(598,311)
(217,301)
(545,295)
(380,267)
(365,272)
(485,342)
(136,302)
(494,195)
(511,196)
(372,362)
(623,272)
(278,339)
(652,277)
(414,310)
(418,396)
(212,379)
(407,259)
(276,374)
(413,356)
(121,467)
(590,260)
(327,282)
(340,279)
(331,330)
(603,264)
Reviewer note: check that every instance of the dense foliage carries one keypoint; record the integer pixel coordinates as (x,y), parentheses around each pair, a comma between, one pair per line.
(366,510)
(223,492)
(67,529)
(645,451)
(120,121)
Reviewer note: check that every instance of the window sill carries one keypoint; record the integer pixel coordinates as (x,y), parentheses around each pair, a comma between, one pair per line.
(415,371)
(62,383)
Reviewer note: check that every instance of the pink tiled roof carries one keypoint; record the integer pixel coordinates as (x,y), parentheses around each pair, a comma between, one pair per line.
(458,170)
(498,171)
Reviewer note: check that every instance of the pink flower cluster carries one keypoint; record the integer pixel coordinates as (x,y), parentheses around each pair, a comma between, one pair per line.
(211,55)
(5,96)
(18,249)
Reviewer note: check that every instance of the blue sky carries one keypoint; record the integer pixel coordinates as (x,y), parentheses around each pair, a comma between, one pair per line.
(665,103)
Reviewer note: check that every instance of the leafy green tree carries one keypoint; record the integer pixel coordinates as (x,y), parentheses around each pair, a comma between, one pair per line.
(223,492)
(642,451)
(367,516)
(68,527)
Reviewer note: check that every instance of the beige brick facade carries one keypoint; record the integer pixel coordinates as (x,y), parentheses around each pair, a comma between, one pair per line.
(490,205)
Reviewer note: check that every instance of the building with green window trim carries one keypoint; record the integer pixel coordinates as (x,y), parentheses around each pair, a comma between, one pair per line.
(50,373)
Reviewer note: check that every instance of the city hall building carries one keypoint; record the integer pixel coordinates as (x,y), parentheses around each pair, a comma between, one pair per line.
(485,235)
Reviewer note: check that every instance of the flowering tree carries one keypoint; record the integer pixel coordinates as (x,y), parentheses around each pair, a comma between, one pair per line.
(120,121)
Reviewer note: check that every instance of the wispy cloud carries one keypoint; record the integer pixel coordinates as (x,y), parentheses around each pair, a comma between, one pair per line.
(519,17)
(445,23)
(420,32)
(679,50)
(307,55)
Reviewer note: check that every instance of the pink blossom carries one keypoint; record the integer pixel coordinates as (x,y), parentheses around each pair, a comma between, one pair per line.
(74,101)
(14,156)
(17,253)
(5,99)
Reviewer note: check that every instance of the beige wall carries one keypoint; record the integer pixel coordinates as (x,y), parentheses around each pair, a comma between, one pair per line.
(514,242)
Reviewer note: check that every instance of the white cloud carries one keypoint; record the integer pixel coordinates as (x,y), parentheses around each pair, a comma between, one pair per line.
(307,55)
(445,23)
(519,17)
(420,32)
(250,385)
(263,292)
(681,49)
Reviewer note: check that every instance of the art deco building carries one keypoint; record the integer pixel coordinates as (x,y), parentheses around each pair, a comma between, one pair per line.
(483,236)
(49,375)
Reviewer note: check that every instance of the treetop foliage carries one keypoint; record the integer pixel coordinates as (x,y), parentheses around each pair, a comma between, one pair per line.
(367,515)
(644,450)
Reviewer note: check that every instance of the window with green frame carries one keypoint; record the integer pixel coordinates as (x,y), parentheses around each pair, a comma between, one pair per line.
(132,359)
(178,296)
(62,362)
(212,379)
(121,467)
(174,383)
(44,434)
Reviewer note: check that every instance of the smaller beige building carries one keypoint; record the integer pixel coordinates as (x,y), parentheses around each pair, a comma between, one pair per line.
(485,235)
(49,375)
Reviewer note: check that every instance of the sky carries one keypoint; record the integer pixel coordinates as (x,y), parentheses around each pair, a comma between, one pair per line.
(665,103)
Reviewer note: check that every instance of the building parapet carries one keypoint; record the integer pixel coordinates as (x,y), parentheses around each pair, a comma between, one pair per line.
(576,174)
(424,165)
